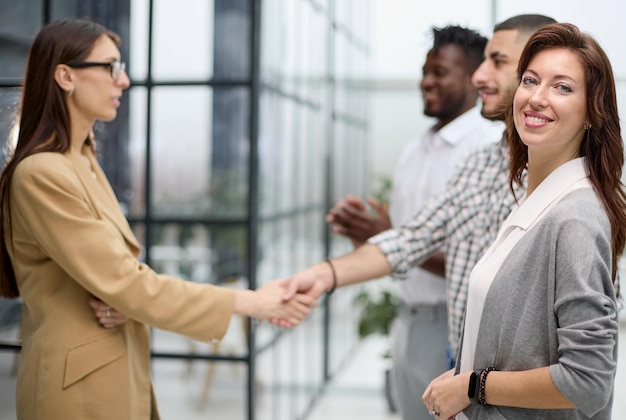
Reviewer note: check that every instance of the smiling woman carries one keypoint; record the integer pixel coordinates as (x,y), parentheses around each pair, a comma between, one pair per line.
(549,111)
(554,260)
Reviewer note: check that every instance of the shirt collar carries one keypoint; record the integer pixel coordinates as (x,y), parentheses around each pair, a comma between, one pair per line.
(454,132)
(558,183)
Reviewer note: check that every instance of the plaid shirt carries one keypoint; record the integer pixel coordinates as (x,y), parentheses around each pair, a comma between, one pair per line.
(464,220)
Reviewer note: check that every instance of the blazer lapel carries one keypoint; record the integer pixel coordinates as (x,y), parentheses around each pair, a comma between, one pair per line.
(102,197)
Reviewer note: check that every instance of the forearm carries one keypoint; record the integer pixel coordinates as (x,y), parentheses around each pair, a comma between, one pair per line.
(525,389)
(246,303)
(364,263)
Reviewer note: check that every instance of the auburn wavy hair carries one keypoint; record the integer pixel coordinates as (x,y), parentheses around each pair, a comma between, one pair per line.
(602,145)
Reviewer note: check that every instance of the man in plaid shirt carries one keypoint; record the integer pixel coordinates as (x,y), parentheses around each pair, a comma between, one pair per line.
(465,219)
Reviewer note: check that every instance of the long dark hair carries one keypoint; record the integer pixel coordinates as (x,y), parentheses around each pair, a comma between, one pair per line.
(43,118)
(602,145)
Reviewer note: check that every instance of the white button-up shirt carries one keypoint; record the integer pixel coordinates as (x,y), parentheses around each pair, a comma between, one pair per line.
(422,172)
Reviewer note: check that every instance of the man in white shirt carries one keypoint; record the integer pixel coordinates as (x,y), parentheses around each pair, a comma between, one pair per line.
(419,334)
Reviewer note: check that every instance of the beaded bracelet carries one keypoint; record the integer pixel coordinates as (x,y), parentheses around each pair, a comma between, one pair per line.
(332,268)
(481,390)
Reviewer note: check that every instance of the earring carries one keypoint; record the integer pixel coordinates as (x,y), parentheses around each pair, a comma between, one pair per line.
(71,91)
(587,127)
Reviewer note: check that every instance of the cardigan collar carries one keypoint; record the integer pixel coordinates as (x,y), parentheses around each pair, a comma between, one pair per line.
(567,177)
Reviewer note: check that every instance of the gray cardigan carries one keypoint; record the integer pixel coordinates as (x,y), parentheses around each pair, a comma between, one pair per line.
(552,303)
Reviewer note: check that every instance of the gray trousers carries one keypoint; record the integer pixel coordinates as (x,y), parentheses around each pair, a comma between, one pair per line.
(419,338)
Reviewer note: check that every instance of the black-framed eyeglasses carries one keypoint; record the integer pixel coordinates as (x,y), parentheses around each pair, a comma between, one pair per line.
(116,66)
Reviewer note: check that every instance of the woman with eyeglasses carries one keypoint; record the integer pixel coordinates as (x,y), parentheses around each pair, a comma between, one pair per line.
(67,243)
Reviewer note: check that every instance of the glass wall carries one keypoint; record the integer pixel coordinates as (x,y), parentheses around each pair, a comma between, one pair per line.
(313,141)
(246,120)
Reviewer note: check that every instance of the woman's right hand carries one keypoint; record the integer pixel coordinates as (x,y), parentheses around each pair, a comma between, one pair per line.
(107,316)
(313,281)
(274,306)
(267,302)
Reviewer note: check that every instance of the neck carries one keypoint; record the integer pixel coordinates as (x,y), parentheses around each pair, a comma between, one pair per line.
(442,122)
(79,135)
(80,128)
(542,164)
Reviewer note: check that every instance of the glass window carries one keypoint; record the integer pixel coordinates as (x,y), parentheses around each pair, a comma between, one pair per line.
(183,40)
(232,39)
(269,152)
(200,40)
(136,151)
(9,102)
(199,151)
(138,39)
(201,253)
(18,25)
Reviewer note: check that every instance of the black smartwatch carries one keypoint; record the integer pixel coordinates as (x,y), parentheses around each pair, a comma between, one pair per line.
(474,386)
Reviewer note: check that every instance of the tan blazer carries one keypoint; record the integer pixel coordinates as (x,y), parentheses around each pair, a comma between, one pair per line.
(70,241)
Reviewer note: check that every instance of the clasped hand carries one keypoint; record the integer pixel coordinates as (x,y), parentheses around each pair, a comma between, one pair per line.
(446,395)
(107,316)
(274,305)
(350,217)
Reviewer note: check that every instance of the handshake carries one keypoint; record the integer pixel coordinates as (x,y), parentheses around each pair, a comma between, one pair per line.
(287,302)
(283,302)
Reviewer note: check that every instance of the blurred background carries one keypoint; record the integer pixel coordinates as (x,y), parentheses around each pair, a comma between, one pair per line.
(246,120)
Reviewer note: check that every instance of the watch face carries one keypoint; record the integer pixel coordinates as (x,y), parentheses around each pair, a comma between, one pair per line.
(473,385)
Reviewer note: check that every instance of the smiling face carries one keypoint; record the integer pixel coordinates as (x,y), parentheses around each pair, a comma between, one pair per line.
(496,77)
(96,94)
(446,84)
(550,104)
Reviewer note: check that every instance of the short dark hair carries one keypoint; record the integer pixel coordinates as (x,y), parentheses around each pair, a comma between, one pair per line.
(525,24)
(470,41)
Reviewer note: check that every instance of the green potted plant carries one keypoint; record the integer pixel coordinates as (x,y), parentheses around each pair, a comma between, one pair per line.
(377,312)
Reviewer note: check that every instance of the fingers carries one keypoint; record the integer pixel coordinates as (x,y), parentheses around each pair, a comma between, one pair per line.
(107,316)
(344,210)
(294,311)
(355,202)
(377,205)
(350,219)
(97,304)
(291,287)
(446,395)
(307,300)
(110,318)
(332,213)
(426,394)
(428,402)
(279,322)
